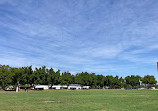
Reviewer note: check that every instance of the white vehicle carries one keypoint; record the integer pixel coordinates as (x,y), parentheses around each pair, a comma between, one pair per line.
(74,86)
(41,87)
(85,87)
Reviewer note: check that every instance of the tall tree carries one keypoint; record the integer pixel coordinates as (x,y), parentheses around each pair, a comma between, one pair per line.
(99,81)
(133,81)
(66,78)
(149,81)
(6,77)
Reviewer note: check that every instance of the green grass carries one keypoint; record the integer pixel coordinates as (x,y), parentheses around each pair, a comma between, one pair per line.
(81,100)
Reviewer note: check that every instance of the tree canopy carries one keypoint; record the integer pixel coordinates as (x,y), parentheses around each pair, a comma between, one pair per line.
(45,76)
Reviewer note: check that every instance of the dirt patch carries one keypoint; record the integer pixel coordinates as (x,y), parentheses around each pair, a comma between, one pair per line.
(143,95)
(48,101)
(149,102)
(124,95)
(2,91)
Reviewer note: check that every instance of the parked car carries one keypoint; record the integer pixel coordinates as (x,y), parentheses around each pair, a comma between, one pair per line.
(10,88)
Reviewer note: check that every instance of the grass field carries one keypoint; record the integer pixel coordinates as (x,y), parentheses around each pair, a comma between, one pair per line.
(81,100)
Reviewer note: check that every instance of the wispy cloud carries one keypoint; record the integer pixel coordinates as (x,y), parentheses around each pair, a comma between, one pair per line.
(108,37)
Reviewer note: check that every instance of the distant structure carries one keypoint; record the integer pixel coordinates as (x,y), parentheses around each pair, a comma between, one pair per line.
(59,86)
(74,86)
(41,87)
(0,65)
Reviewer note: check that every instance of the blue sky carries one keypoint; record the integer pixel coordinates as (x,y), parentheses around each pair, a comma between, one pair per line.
(109,37)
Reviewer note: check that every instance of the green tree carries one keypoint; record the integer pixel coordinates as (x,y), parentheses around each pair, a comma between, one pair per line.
(83,78)
(99,81)
(133,81)
(149,81)
(6,77)
(66,78)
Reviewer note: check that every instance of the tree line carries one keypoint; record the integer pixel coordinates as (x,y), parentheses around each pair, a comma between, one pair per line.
(42,75)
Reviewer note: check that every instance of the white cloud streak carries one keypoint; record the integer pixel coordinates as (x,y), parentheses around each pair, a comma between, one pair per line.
(79,35)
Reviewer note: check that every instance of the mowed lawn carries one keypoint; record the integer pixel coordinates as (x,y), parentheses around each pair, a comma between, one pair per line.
(80,100)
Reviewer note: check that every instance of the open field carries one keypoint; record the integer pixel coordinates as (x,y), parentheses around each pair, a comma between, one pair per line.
(80,100)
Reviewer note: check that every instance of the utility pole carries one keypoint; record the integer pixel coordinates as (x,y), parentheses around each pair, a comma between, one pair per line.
(157,67)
